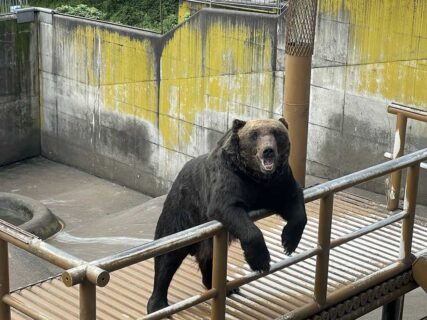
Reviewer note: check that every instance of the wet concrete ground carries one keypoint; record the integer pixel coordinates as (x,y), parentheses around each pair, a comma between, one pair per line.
(101,218)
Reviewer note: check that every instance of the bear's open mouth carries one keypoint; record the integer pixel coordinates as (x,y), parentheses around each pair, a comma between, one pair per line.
(267,164)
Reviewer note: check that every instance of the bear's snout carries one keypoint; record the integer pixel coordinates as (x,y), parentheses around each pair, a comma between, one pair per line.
(268,156)
(268,153)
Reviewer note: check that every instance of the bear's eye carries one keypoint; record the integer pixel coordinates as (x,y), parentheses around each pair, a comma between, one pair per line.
(254,135)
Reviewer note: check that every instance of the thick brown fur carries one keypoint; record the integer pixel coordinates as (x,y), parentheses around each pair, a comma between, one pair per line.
(248,170)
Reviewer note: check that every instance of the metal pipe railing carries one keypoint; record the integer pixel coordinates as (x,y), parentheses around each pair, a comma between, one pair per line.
(403,113)
(81,272)
(209,229)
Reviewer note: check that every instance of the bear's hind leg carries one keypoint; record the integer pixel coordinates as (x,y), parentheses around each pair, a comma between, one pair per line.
(165,267)
(206,269)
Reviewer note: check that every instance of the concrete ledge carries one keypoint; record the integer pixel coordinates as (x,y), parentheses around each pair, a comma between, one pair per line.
(41,221)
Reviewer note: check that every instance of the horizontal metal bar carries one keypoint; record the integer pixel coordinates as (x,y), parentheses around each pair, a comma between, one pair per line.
(274,268)
(346,292)
(365,230)
(16,232)
(11,301)
(146,251)
(345,182)
(182,305)
(388,155)
(47,252)
(411,113)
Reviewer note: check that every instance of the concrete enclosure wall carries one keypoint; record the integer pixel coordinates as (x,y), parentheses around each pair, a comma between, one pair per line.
(134,107)
(367,54)
(19,107)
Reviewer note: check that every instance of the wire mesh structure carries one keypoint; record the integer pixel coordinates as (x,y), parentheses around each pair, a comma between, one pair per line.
(301,27)
(7,6)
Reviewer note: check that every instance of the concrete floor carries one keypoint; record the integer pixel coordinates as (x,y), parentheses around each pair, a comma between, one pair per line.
(101,218)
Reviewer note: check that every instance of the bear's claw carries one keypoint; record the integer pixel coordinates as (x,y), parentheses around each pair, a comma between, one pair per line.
(289,244)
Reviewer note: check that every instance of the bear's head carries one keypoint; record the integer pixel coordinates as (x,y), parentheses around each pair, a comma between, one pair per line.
(260,147)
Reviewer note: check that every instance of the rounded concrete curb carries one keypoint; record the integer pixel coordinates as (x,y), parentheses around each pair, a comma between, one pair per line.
(41,221)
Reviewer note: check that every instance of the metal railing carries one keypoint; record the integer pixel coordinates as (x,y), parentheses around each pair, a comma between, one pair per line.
(96,273)
(403,113)
(7,5)
(263,6)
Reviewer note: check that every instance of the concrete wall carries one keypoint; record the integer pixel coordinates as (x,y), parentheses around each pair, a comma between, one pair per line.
(367,54)
(134,107)
(19,107)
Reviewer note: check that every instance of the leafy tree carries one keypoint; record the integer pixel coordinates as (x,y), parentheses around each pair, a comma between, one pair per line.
(156,15)
(82,10)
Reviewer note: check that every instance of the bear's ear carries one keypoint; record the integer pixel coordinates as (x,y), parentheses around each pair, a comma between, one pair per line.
(237,125)
(285,123)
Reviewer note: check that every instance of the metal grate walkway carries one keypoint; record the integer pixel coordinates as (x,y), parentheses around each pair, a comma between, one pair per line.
(266,298)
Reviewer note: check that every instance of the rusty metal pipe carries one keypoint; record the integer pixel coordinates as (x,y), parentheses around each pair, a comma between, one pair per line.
(39,248)
(296,111)
(420,271)
(4,279)
(219,274)
(87,297)
(273,268)
(11,301)
(398,150)
(410,203)
(411,113)
(146,251)
(324,242)
(345,182)
(182,305)
(365,230)
(300,29)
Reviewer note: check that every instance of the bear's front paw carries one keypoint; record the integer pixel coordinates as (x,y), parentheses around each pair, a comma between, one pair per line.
(257,255)
(289,241)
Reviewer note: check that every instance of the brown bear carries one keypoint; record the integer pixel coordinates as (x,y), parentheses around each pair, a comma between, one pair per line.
(248,170)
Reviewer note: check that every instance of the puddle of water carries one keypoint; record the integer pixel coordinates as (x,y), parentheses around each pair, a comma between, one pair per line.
(12,216)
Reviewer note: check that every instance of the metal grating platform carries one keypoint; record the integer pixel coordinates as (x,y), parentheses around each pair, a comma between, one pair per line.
(126,295)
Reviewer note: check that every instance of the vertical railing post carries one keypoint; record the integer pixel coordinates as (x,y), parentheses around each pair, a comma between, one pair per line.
(398,149)
(87,301)
(394,309)
(324,241)
(219,274)
(411,190)
(4,280)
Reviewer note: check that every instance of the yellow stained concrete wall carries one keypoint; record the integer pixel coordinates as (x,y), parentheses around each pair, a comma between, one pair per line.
(388,42)
(148,103)
(115,88)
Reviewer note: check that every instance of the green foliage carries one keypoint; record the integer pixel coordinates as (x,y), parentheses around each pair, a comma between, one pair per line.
(156,15)
(82,10)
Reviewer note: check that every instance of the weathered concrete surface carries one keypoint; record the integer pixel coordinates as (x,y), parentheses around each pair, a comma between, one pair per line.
(133,107)
(362,62)
(99,217)
(19,94)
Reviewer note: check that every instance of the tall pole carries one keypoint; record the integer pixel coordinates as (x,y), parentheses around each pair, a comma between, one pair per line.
(300,30)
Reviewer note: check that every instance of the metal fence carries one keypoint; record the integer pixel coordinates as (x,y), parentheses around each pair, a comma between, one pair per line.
(8,6)
(270,6)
